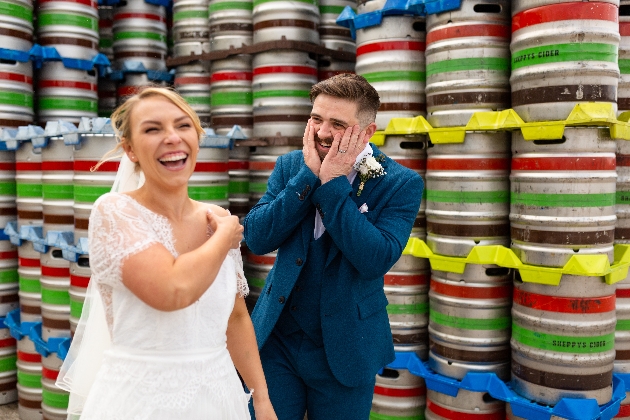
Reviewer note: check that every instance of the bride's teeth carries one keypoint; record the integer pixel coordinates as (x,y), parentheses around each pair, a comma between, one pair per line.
(172,158)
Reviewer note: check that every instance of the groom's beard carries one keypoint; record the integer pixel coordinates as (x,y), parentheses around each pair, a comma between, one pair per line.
(327,141)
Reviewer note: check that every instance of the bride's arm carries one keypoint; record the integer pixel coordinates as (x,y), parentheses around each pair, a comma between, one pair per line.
(241,343)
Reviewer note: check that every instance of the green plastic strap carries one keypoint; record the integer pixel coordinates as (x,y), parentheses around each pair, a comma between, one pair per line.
(28,190)
(231,98)
(502,323)
(29,285)
(139,34)
(50,103)
(280,93)
(29,380)
(227,5)
(75,309)
(208,193)
(87,194)
(8,363)
(558,53)
(480,197)
(396,76)
(563,200)
(57,192)
(16,11)
(9,276)
(55,297)
(255,282)
(411,309)
(469,64)
(191,14)
(54,399)
(8,188)
(16,99)
(235,187)
(53,18)
(563,343)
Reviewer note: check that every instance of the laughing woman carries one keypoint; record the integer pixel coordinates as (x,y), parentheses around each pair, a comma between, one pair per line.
(167,310)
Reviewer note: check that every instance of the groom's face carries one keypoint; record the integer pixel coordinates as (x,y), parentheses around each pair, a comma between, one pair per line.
(330,116)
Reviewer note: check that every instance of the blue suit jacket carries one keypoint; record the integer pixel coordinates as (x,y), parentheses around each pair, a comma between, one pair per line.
(355,327)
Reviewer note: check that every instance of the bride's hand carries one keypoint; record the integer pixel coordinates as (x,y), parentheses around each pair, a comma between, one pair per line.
(264,410)
(228,224)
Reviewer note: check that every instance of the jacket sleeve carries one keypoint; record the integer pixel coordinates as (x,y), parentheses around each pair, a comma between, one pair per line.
(372,247)
(283,207)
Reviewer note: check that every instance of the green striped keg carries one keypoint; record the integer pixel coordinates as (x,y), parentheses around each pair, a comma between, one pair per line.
(192,81)
(622,236)
(274,20)
(563,53)
(391,57)
(238,188)
(16,21)
(29,283)
(54,399)
(563,339)
(230,23)
(262,160)
(29,380)
(79,279)
(28,182)
(465,405)
(398,395)
(467,193)
(563,196)
(57,186)
(71,27)
(8,206)
(331,35)
(190,30)
(55,285)
(623,89)
(469,321)
(209,182)
(256,268)
(468,61)
(16,93)
(9,284)
(106,31)
(231,94)
(8,368)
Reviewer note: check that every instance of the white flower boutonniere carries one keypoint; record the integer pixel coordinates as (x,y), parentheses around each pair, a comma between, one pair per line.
(368,168)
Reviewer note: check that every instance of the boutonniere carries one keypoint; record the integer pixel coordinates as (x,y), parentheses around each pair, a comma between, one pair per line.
(368,168)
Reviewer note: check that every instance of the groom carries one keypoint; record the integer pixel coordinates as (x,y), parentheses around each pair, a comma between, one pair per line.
(339,212)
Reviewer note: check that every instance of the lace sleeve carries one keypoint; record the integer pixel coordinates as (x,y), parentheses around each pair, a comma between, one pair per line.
(117,230)
(241,282)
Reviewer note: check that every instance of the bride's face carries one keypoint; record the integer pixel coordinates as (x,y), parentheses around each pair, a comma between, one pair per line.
(163,140)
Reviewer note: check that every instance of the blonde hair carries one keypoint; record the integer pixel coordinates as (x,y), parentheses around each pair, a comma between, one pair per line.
(121,118)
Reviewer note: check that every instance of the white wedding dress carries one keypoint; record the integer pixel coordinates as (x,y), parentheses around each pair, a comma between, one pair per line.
(161,365)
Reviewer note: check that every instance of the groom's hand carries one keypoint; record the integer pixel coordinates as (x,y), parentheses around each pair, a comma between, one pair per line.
(343,153)
(311,157)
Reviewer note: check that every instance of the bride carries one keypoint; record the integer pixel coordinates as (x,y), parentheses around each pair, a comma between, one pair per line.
(165,322)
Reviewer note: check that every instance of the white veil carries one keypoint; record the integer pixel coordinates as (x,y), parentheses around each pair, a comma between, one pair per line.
(92,337)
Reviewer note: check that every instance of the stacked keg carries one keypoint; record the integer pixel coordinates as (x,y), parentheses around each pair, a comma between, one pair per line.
(623,91)
(106,87)
(334,37)
(563,195)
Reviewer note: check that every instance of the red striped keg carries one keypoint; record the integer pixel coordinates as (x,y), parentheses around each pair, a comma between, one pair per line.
(8,369)
(106,31)
(256,268)
(16,23)
(230,23)
(71,27)
(192,81)
(28,182)
(563,196)
(563,339)
(563,54)
(54,400)
(398,395)
(131,83)
(293,20)
(66,94)
(209,182)
(106,97)
(79,279)
(8,209)
(29,378)
(57,186)
(468,193)
(467,405)
(9,282)
(55,283)
(469,321)
(406,287)
(29,275)
(140,34)
(190,30)
(231,97)
(16,93)
(468,61)
(391,57)
(88,186)
(281,85)
(262,160)
(623,90)
(238,188)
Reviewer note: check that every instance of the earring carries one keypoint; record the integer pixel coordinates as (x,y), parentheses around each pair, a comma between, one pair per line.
(132,158)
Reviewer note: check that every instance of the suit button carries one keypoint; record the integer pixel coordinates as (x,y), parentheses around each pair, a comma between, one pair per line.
(294,308)
(298,262)
(281,299)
